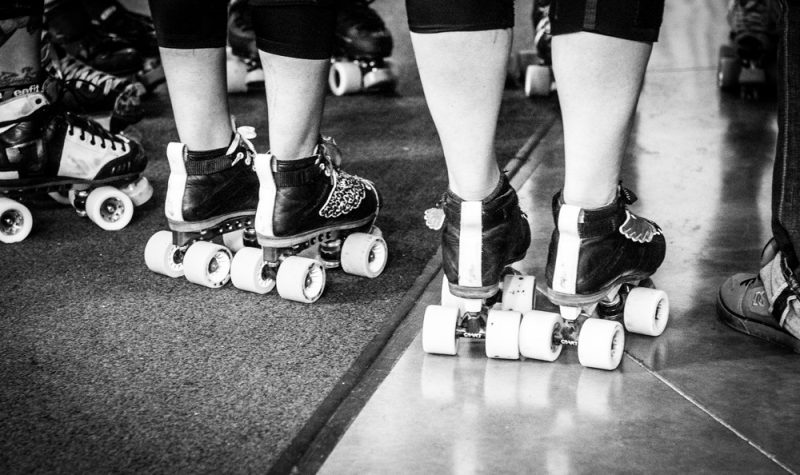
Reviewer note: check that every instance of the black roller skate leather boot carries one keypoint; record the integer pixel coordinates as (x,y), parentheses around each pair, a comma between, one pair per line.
(480,239)
(311,206)
(361,45)
(594,252)
(210,196)
(72,159)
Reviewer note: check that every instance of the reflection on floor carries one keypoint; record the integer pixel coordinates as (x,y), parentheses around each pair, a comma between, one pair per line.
(699,398)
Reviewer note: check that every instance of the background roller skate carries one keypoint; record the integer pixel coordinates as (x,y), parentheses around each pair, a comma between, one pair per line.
(112,101)
(112,18)
(534,67)
(211,204)
(243,65)
(312,216)
(72,159)
(362,44)
(598,273)
(482,298)
(747,64)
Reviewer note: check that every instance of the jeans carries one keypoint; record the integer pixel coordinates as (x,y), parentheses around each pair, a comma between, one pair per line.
(786,174)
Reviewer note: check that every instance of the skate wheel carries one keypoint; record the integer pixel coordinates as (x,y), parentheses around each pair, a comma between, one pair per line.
(502,334)
(450,300)
(139,191)
(300,279)
(380,78)
(538,334)
(248,271)
(519,292)
(439,330)
(207,264)
(344,78)
(60,198)
(538,80)
(728,68)
(109,208)
(646,311)
(16,221)
(364,254)
(234,240)
(601,343)
(162,256)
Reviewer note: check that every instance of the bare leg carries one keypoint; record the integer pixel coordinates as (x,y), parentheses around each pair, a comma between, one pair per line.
(196,80)
(295,91)
(599,80)
(463,74)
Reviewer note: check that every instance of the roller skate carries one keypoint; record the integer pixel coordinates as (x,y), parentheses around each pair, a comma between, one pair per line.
(361,46)
(109,17)
(113,101)
(598,272)
(210,207)
(311,216)
(747,63)
(69,26)
(536,65)
(482,298)
(243,65)
(72,159)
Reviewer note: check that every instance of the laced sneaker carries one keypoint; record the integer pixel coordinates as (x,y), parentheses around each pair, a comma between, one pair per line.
(301,199)
(593,250)
(480,239)
(90,91)
(745,304)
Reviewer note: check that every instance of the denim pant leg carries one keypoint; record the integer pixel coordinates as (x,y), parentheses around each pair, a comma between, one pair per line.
(786,175)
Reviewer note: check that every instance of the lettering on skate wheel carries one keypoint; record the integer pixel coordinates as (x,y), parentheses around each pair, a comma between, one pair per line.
(439,330)
(502,334)
(207,264)
(249,272)
(601,344)
(539,335)
(519,292)
(300,279)
(162,256)
(538,80)
(646,311)
(139,191)
(364,254)
(344,78)
(109,208)
(16,221)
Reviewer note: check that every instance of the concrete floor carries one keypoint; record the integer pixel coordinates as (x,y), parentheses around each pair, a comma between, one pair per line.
(700,398)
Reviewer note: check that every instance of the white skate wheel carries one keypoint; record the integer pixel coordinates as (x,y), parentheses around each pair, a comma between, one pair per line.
(460,303)
(601,343)
(519,292)
(234,240)
(439,330)
(379,79)
(728,68)
(538,80)
(162,256)
(344,78)
(16,221)
(537,335)
(207,264)
(300,279)
(502,334)
(249,273)
(646,311)
(364,254)
(60,198)
(139,191)
(109,208)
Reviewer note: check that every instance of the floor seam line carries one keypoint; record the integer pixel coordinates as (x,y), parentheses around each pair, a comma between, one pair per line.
(718,419)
